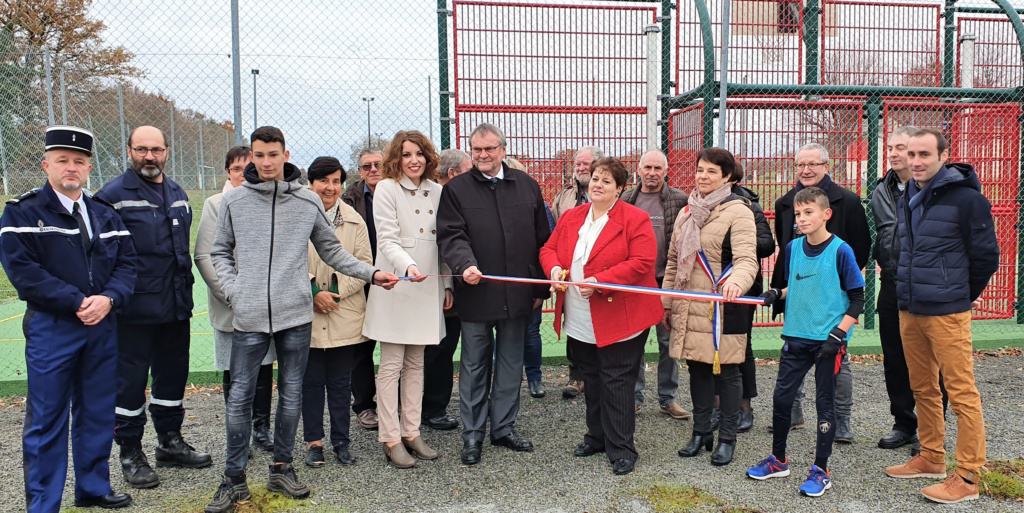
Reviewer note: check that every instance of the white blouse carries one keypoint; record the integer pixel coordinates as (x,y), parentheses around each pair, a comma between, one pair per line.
(578,323)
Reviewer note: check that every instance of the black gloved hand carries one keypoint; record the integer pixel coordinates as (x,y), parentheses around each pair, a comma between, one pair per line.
(831,347)
(771,296)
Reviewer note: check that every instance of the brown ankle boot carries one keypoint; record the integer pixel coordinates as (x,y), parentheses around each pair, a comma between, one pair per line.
(397,456)
(419,448)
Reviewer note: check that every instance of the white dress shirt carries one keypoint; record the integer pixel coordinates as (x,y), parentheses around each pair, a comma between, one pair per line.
(70,205)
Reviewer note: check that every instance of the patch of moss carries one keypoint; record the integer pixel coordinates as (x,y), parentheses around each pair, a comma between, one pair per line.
(262,500)
(1004,479)
(675,498)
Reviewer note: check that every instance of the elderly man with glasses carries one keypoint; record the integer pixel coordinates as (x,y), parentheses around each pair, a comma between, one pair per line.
(849,222)
(360,197)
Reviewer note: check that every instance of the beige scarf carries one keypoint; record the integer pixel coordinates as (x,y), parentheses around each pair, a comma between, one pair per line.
(689,224)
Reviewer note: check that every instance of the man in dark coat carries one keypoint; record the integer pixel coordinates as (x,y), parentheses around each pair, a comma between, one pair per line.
(360,197)
(848,222)
(948,253)
(492,220)
(886,252)
(153,330)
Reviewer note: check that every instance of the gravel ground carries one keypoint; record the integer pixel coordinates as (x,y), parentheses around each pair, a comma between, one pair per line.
(551,480)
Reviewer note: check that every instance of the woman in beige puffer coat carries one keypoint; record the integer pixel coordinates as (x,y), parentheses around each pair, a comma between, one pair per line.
(712,214)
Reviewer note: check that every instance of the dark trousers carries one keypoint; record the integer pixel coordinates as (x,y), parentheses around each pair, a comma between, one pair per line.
(574,371)
(897,379)
(330,371)
(438,373)
(364,384)
(69,368)
(247,352)
(487,346)
(748,374)
(533,350)
(798,356)
(264,393)
(160,349)
(609,377)
(702,391)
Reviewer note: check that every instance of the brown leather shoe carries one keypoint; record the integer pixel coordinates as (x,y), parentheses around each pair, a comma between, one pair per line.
(397,456)
(572,389)
(367,419)
(675,411)
(419,448)
(951,491)
(917,467)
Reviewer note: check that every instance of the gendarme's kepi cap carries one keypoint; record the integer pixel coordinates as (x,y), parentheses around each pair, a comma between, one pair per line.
(69,138)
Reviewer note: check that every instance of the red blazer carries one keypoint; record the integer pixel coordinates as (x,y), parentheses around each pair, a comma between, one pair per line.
(624,253)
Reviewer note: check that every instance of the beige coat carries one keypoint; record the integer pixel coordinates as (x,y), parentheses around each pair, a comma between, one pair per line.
(691,337)
(405,218)
(565,200)
(343,326)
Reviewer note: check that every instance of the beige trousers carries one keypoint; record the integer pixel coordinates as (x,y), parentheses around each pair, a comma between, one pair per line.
(942,343)
(405,363)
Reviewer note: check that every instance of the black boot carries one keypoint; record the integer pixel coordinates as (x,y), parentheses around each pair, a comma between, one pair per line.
(135,467)
(723,452)
(173,451)
(261,435)
(696,442)
(746,421)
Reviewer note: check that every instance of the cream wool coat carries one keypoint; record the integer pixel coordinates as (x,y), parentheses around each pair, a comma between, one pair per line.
(343,326)
(691,337)
(405,218)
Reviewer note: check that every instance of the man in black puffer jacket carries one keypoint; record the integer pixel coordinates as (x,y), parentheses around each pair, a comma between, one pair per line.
(948,252)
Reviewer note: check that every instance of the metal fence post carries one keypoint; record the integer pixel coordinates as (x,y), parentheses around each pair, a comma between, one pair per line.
(811,33)
(1020,219)
(49,88)
(666,70)
(442,73)
(708,121)
(63,98)
(121,123)
(236,74)
(872,109)
(724,73)
(949,45)
(651,87)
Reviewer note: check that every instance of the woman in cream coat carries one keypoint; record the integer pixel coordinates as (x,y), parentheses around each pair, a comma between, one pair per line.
(409,317)
(339,306)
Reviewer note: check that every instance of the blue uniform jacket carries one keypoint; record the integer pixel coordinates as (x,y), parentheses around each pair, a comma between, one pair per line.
(43,254)
(948,248)
(160,229)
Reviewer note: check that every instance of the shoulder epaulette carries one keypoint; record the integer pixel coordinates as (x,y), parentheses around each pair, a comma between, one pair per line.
(26,195)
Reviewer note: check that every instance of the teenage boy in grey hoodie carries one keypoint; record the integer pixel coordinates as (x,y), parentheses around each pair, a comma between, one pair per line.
(260,254)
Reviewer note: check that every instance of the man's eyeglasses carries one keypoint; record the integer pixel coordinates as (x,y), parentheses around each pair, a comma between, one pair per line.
(808,165)
(488,149)
(142,150)
(371,165)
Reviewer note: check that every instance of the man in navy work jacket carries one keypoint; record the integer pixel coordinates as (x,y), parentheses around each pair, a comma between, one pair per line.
(72,261)
(153,331)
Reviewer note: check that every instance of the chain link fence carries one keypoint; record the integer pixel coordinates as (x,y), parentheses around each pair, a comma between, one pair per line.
(556,75)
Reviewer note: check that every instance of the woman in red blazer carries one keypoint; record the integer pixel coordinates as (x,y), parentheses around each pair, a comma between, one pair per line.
(607,241)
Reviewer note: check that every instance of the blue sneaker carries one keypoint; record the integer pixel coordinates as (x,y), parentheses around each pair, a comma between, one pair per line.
(817,482)
(768,468)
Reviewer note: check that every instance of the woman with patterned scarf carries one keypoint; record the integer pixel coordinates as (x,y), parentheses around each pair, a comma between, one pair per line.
(713,249)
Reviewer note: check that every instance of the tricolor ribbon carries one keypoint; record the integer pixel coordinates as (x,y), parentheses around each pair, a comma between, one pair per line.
(689,295)
(716,308)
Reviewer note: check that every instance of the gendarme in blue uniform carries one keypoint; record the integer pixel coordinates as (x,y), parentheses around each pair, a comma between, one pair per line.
(71,367)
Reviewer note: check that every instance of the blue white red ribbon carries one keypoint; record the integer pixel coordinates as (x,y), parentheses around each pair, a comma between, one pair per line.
(716,308)
(689,295)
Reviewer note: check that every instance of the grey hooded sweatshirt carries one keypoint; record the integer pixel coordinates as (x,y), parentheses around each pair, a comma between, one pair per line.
(260,251)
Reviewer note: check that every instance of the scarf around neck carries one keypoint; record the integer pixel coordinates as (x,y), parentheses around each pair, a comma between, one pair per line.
(688,225)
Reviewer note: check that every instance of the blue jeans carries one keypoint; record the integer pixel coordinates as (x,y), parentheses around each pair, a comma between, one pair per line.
(668,372)
(247,352)
(532,349)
